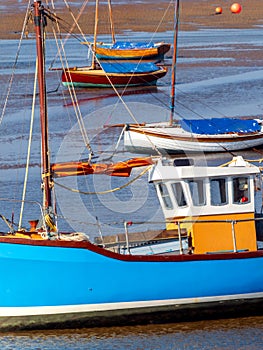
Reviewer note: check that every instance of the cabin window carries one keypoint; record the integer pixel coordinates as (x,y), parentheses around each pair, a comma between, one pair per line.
(197,192)
(179,194)
(218,192)
(241,192)
(165,196)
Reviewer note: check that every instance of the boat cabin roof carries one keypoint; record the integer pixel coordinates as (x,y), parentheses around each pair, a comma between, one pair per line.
(168,170)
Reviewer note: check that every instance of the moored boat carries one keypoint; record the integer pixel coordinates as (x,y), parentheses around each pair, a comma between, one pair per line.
(121,50)
(113,74)
(206,135)
(182,134)
(127,50)
(54,279)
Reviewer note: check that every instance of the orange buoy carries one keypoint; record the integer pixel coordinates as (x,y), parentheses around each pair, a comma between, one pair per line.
(235,8)
(218,10)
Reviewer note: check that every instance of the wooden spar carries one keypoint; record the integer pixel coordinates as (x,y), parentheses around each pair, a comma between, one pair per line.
(122,169)
(122,125)
(39,21)
(174,61)
(111,22)
(95,34)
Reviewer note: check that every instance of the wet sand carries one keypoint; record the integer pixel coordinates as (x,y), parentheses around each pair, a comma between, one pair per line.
(150,16)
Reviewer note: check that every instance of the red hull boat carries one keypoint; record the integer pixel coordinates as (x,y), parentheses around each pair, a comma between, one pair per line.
(98,77)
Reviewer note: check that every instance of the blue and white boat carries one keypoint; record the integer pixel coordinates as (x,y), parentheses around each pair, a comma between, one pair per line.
(180,135)
(195,135)
(51,279)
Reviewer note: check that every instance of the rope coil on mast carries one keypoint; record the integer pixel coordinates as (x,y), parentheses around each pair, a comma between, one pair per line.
(49,221)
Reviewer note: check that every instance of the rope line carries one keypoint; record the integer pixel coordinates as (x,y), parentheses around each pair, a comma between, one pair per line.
(61,49)
(28,149)
(16,60)
(260,160)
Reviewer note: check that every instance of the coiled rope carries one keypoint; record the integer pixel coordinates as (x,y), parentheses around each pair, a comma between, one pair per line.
(49,221)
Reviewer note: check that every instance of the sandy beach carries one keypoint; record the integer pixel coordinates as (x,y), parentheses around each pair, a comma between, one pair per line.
(149,16)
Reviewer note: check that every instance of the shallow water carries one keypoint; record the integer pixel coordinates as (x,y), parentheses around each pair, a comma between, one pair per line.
(227,334)
(208,85)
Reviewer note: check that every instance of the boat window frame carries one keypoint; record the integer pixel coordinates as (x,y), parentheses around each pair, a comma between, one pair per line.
(166,198)
(183,197)
(241,190)
(226,193)
(193,196)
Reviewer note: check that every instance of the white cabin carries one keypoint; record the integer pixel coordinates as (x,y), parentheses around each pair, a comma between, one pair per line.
(215,204)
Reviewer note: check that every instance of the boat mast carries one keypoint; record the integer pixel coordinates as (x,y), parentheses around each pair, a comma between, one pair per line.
(111,22)
(174,61)
(95,33)
(40,22)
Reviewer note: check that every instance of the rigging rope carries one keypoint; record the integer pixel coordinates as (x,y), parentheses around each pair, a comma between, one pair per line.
(16,59)
(106,191)
(123,92)
(72,92)
(28,149)
(8,223)
(116,146)
(73,25)
(260,160)
(163,17)
(112,85)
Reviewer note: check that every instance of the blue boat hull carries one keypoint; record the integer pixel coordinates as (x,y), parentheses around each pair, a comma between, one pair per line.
(46,283)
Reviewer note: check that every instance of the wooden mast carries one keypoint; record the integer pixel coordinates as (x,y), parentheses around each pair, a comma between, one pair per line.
(111,22)
(174,61)
(40,22)
(95,34)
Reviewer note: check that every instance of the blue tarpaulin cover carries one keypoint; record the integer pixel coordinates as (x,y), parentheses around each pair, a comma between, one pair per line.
(132,45)
(116,67)
(220,126)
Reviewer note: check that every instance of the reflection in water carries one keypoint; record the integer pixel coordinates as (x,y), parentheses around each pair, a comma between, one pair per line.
(229,334)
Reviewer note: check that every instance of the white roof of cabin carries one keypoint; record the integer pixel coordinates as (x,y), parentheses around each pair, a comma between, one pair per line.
(161,172)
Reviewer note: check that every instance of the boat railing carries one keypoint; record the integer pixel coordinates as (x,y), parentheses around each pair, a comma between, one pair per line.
(180,234)
(11,224)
